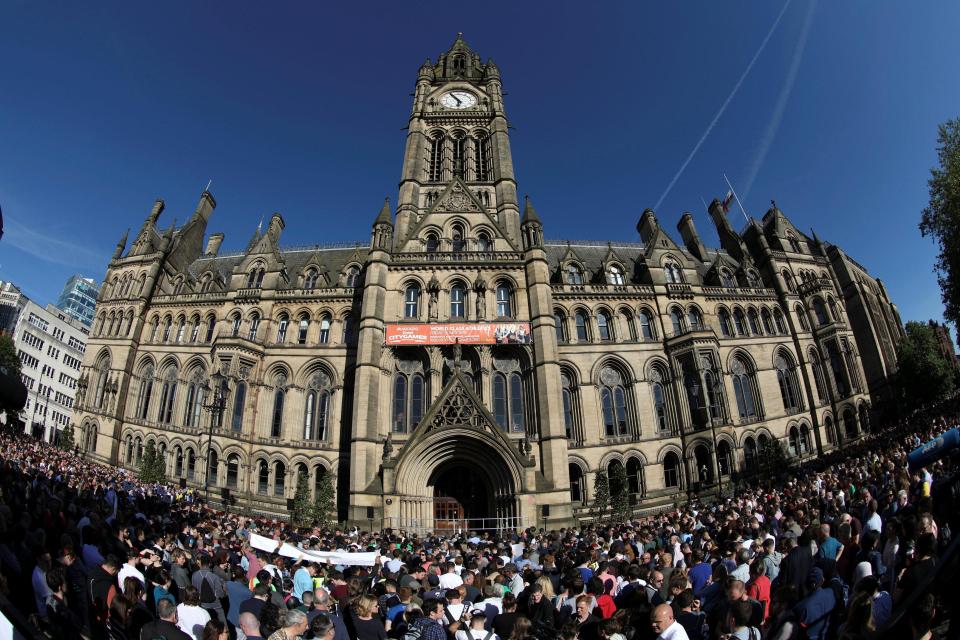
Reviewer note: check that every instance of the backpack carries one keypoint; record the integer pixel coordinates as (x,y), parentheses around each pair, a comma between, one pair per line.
(207,595)
(413,633)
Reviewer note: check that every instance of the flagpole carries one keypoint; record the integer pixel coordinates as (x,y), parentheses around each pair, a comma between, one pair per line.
(737,198)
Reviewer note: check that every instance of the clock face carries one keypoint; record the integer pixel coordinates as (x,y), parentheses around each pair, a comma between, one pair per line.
(458,100)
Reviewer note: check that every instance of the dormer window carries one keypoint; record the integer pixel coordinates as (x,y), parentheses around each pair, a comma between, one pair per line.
(726,279)
(310,279)
(615,275)
(459,65)
(574,274)
(353,276)
(673,273)
(794,244)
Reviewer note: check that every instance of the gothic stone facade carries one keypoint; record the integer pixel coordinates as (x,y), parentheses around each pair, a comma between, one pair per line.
(671,359)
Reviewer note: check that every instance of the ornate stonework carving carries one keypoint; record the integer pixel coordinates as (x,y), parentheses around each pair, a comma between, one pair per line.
(610,376)
(457,200)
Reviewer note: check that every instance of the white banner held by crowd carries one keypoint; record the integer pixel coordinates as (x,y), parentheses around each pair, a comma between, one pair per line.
(287,550)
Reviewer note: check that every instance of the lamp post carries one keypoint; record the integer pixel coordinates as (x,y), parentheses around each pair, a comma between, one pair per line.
(216,405)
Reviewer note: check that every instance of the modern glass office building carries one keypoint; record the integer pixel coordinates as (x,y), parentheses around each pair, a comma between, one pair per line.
(79,298)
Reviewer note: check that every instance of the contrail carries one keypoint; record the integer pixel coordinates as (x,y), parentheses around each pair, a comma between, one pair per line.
(781,105)
(723,107)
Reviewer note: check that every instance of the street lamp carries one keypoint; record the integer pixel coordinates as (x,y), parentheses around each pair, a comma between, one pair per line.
(218,402)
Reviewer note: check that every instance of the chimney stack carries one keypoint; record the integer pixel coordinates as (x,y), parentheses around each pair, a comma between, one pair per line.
(213,244)
(648,225)
(690,237)
(275,227)
(206,206)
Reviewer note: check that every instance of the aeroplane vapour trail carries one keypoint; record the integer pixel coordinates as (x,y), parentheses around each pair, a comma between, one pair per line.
(723,107)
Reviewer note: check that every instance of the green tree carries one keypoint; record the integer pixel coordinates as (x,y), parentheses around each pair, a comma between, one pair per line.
(152,467)
(302,513)
(10,361)
(941,217)
(619,494)
(601,494)
(772,459)
(325,502)
(925,375)
(66,442)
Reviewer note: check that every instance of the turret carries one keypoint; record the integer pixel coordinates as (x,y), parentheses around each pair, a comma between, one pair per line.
(729,239)
(531,229)
(121,246)
(213,244)
(691,238)
(275,227)
(382,235)
(647,226)
(155,212)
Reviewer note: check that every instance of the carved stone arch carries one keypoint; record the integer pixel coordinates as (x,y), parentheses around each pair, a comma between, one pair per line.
(145,360)
(603,306)
(322,311)
(168,361)
(610,456)
(765,431)
(692,445)
(635,454)
(412,279)
(572,371)
(626,371)
(234,449)
(729,439)
(669,448)
(744,355)
(278,369)
(254,311)
(452,222)
(786,354)
(305,374)
(651,367)
(507,278)
(747,433)
(104,358)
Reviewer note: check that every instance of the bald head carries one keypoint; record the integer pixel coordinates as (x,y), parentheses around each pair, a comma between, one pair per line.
(661,618)
(249,624)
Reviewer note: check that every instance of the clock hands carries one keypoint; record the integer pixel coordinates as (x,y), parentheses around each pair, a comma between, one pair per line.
(454,96)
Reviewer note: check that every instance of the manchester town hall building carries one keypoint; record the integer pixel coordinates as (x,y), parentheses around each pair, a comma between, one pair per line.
(458,366)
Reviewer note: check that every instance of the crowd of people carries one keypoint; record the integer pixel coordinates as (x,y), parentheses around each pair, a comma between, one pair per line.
(827,550)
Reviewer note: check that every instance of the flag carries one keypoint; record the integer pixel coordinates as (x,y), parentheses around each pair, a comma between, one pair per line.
(727,199)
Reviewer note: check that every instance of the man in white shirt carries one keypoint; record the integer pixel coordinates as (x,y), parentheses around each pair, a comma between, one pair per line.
(514,581)
(129,568)
(477,630)
(450,579)
(665,626)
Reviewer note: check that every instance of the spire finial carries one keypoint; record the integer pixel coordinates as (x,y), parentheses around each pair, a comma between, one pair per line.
(773,203)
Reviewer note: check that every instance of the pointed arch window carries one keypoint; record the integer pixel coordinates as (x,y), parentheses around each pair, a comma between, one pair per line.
(191,464)
(603,326)
(481,150)
(818,377)
(727,279)
(353,276)
(457,242)
(282,325)
(836,365)
(146,392)
(713,394)
(254,327)
(167,394)
(787,379)
(458,294)
(802,317)
(754,280)
(279,398)
(788,281)
(627,319)
(213,467)
(211,324)
(504,306)
(194,333)
(577,485)
(694,319)
(646,327)
(676,320)
(483,242)
(779,321)
(303,328)
(310,279)
(659,401)
(239,398)
(432,242)
(569,406)
(167,323)
(325,329)
(263,477)
(580,319)
(820,312)
(671,470)
(508,401)
(235,329)
(316,407)
(634,479)
(767,321)
(724,457)
(574,274)
(561,324)
(726,326)
(744,389)
(411,302)
(178,462)
(615,275)
(435,166)
(233,471)
(279,478)
(740,322)
(673,273)
(754,323)
(409,395)
(613,401)
(181,330)
(459,156)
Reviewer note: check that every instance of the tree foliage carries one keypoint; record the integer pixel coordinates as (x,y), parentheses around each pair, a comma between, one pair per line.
(601,494)
(10,361)
(152,466)
(925,375)
(941,217)
(325,502)
(302,513)
(66,442)
(772,459)
(619,493)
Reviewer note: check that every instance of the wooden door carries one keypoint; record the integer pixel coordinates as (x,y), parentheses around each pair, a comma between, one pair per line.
(447,514)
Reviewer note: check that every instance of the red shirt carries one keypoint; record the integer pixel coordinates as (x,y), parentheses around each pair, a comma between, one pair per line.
(607,607)
(759,589)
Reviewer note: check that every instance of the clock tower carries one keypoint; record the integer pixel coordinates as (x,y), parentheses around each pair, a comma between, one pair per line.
(457,158)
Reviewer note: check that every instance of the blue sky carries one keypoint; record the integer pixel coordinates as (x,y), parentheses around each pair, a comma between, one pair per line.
(298,108)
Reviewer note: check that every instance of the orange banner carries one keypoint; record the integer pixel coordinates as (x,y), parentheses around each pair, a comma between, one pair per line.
(464,333)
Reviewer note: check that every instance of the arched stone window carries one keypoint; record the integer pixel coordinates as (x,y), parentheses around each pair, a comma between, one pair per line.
(603,326)
(578,487)
(794,244)
(635,484)
(726,326)
(432,243)
(779,321)
(571,408)
(580,319)
(849,423)
(194,332)
(504,302)
(694,319)
(749,454)
(435,164)
(788,281)
(194,403)
(615,275)
(574,274)
(646,325)
(831,432)
(613,402)
(676,320)
(818,376)
(561,324)
(671,470)
(740,322)
(727,279)
(481,150)
(767,322)
(167,395)
(744,388)
(211,325)
(146,392)
(213,467)
(325,328)
(787,379)
(233,471)
(661,414)
(483,242)
(235,326)
(181,329)
(753,279)
(279,478)
(178,462)
(458,299)
(239,398)
(409,395)
(724,457)
(793,440)
(283,323)
(303,328)
(353,276)
(254,326)
(836,366)
(508,400)
(457,238)
(459,153)
(832,307)
(804,439)
(263,477)
(673,273)
(310,278)
(820,312)
(130,450)
(317,407)
(191,463)
(754,322)
(411,301)
(626,319)
(279,398)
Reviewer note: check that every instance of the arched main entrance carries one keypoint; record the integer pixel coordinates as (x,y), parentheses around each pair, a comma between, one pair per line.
(461,495)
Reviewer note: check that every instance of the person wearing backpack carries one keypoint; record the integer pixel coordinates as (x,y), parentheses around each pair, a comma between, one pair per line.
(165,626)
(477,629)
(210,587)
(738,622)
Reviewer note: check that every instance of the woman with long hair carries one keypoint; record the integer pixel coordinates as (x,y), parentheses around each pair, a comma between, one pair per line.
(859,623)
(366,622)
(522,629)
(118,620)
(139,613)
(215,630)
